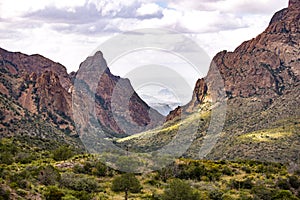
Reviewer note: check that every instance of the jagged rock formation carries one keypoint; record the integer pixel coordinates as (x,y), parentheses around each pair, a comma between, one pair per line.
(267,64)
(199,93)
(118,107)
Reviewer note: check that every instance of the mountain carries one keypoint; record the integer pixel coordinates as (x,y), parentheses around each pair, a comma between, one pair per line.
(36,99)
(117,106)
(259,95)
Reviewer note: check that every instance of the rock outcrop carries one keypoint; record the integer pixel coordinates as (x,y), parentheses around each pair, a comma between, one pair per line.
(199,94)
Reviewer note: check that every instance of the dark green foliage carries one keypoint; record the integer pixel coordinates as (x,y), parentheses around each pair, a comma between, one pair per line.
(126,183)
(78,182)
(284,195)
(62,153)
(294,181)
(7,152)
(216,195)
(262,193)
(53,193)
(244,184)
(49,175)
(4,194)
(6,158)
(179,190)
(82,195)
(283,184)
(96,168)
(227,171)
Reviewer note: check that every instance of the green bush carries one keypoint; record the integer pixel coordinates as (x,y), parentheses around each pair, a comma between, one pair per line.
(62,153)
(126,183)
(49,175)
(178,190)
(261,193)
(53,193)
(284,195)
(78,182)
(294,181)
(283,184)
(216,195)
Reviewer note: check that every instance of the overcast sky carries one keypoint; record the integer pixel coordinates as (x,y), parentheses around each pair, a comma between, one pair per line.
(67,31)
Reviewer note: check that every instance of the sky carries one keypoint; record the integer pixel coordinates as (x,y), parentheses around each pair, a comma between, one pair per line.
(70,30)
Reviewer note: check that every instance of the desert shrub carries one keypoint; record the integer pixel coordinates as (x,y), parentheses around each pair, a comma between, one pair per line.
(4,194)
(294,181)
(78,182)
(24,157)
(178,190)
(49,175)
(284,195)
(261,193)
(126,183)
(243,184)
(62,153)
(283,184)
(82,195)
(216,195)
(100,169)
(227,171)
(53,193)
(6,158)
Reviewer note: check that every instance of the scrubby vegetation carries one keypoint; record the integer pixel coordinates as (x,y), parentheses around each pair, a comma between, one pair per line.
(84,177)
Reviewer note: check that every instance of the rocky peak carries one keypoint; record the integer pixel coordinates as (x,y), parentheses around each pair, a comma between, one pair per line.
(267,65)
(118,107)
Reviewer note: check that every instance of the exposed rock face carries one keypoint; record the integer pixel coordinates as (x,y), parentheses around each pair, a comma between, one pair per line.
(52,96)
(199,93)
(268,64)
(118,107)
(22,64)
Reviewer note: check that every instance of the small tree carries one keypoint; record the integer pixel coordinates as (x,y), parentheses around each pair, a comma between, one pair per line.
(126,183)
(62,153)
(178,190)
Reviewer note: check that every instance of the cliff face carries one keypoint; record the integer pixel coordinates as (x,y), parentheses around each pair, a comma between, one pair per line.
(199,94)
(21,64)
(268,64)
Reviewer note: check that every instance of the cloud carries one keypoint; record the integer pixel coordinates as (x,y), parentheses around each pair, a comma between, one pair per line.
(77,15)
(66,26)
(149,10)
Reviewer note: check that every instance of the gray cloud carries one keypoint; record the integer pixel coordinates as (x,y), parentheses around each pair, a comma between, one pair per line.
(80,15)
